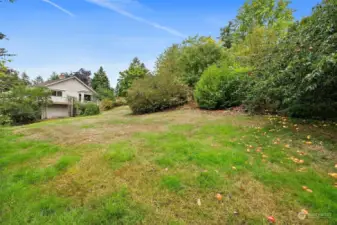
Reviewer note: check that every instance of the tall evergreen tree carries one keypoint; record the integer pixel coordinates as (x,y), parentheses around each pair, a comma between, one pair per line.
(54,76)
(100,80)
(38,80)
(25,78)
(136,70)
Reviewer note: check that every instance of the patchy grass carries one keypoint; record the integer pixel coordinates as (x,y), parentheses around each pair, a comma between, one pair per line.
(172,183)
(167,168)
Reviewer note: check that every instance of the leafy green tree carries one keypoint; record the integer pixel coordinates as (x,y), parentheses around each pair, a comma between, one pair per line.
(136,70)
(23,104)
(197,53)
(298,77)
(100,80)
(269,13)
(167,63)
(8,78)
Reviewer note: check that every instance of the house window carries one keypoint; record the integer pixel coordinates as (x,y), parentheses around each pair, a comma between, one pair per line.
(79,97)
(87,98)
(56,93)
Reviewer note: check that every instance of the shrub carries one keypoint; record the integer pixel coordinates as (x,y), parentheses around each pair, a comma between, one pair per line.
(23,104)
(5,120)
(156,93)
(105,93)
(120,101)
(87,109)
(298,78)
(106,104)
(221,87)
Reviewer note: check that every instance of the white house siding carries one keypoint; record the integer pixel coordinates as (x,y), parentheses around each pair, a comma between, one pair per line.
(57,111)
(71,87)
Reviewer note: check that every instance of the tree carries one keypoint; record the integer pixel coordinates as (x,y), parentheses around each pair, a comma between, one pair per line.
(84,76)
(135,71)
(100,83)
(298,77)
(9,78)
(23,104)
(197,53)
(100,80)
(25,78)
(54,76)
(226,35)
(167,63)
(258,13)
(38,80)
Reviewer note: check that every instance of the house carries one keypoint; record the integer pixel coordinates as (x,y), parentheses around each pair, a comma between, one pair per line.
(65,92)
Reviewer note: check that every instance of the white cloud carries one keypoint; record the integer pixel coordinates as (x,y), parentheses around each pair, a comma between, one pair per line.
(109,5)
(58,7)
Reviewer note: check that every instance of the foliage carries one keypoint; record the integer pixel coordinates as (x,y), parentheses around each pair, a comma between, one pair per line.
(136,70)
(120,101)
(23,104)
(197,53)
(268,13)
(157,93)
(25,79)
(167,63)
(256,45)
(87,109)
(83,75)
(100,80)
(298,77)
(221,87)
(9,78)
(103,93)
(54,76)
(226,35)
(100,83)
(106,104)
(5,120)
(38,80)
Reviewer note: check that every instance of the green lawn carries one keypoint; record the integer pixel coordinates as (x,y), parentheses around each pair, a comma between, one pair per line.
(167,168)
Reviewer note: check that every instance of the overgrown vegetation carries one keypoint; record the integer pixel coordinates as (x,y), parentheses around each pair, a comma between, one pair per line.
(297,77)
(292,64)
(221,87)
(156,93)
(19,103)
(87,109)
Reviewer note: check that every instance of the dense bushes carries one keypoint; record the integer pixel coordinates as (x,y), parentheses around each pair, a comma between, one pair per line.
(120,101)
(298,78)
(106,104)
(22,104)
(157,93)
(221,87)
(87,109)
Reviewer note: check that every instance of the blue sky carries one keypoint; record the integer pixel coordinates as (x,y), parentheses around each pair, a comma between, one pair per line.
(66,35)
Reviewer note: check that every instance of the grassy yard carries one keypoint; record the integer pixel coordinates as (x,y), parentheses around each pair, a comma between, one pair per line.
(167,168)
